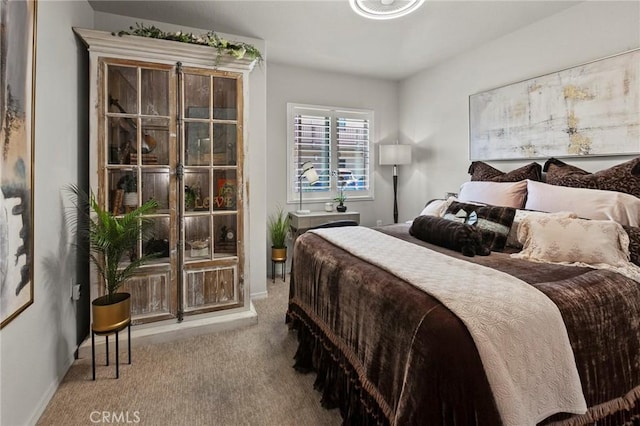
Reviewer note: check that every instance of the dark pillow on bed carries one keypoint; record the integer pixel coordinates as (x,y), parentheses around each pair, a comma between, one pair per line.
(634,243)
(482,171)
(624,177)
(494,223)
(449,234)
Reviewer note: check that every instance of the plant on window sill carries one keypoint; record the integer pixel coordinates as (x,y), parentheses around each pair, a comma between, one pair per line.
(237,49)
(341,198)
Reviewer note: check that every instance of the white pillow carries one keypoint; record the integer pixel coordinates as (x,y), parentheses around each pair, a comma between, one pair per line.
(437,207)
(587,203)
(573,241)
(521,215)
(506,194)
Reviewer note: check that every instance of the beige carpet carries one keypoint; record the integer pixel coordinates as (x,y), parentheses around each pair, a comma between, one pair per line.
(239,377)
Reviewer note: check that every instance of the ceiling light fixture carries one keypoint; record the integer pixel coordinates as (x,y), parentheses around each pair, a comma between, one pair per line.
(384,9)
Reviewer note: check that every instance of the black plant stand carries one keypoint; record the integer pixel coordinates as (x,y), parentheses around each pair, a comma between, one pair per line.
(106,336)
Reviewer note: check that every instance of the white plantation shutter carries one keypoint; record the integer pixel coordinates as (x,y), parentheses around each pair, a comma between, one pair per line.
(312,142)
(353,152)
(337,142)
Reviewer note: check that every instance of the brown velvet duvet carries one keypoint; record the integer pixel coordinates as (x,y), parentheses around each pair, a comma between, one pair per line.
(388,353)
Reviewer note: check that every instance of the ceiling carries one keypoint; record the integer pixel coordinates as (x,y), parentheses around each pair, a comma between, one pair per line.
(328,35)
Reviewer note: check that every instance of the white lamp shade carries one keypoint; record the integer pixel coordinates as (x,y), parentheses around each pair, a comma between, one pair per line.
(311,175)
(309,172)
(395,154)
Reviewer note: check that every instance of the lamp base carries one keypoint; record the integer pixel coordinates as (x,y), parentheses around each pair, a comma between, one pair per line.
(303,211)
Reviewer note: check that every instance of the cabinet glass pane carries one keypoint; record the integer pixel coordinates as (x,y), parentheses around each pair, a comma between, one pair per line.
(155,186)
(121,139)
(155,92)
(225,188)
(224,144)
(196,190)
(155,142)
(157,240)
(122,190)
(197,237)
(225,98)
(122,89)
(196,96)
(198,145)
(225,235)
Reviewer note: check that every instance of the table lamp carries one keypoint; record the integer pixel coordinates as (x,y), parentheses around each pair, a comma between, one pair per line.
(308,172)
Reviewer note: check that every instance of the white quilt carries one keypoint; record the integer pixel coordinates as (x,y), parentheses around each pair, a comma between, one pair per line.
(519,332)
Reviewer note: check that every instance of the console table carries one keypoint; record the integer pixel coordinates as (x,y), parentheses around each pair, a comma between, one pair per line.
(302,222)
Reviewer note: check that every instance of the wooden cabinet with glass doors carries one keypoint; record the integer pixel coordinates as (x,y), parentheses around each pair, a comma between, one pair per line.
(174,133)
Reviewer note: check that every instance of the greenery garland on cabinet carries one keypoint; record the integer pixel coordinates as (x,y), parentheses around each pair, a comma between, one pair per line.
(237,49)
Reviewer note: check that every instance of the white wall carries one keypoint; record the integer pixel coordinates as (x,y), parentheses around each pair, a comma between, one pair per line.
(256,144)
(307,86)
(302,85)
(36,348)
(434,105)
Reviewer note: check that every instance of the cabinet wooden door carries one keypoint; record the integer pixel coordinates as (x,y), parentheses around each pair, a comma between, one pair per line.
(210,104)
(137,159)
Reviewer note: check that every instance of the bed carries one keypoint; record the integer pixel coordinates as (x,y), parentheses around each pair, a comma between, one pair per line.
(388,352)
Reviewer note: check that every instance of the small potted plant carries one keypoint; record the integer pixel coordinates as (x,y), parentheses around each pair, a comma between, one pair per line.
(189,197)
(129,184)
(340,199)
(279,225)
(112,242)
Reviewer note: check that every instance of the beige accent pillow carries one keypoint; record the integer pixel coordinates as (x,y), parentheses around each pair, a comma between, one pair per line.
(503,194)
(573,241)
(512,238)
(586,203)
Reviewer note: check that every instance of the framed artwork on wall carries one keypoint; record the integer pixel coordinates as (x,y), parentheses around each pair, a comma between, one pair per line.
(17,95)
(588,110)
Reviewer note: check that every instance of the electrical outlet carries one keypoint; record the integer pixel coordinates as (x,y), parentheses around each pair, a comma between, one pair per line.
(379,222)
(75,292)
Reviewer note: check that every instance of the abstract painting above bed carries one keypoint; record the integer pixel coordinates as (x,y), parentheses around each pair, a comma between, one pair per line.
(581,111)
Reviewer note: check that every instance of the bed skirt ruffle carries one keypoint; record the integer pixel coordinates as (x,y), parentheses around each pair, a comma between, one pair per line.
(340,386)
(337,380)
(620,411)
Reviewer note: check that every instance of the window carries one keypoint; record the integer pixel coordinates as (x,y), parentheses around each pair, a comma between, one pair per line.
(336,141)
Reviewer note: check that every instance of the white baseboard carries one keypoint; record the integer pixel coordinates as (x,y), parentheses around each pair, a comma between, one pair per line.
(258,296)
(46,397)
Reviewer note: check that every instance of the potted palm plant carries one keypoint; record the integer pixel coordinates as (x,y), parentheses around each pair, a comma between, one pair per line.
(279,224)
(112,243)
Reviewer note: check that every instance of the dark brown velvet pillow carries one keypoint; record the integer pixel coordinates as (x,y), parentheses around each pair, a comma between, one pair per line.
(482,171)
(624,177)
(494,222)
(449,234)
(634,243)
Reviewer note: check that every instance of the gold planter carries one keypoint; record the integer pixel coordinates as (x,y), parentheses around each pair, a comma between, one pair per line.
(111,316)
(278,254)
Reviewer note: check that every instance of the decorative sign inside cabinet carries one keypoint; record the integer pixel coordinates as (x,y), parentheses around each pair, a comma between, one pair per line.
(167,124)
